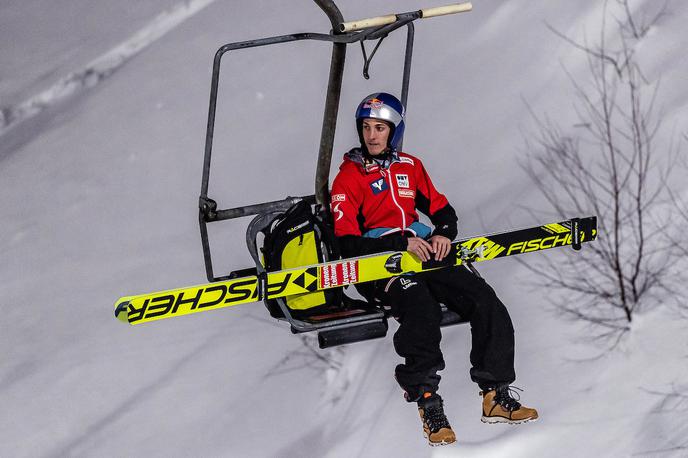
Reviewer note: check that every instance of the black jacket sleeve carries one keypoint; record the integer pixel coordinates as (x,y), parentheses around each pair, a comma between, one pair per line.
(444,219)
(445,222)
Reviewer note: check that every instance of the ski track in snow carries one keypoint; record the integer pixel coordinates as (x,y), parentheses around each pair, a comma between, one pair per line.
(102,67)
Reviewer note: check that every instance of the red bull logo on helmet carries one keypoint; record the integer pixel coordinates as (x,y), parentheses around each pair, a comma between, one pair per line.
(374,103)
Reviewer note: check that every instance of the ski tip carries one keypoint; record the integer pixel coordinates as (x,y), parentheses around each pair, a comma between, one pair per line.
(121,311)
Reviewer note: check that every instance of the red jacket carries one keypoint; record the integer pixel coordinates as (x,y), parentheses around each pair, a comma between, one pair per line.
(373,200)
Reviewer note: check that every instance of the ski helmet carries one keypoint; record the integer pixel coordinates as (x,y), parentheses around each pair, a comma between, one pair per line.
(385,107)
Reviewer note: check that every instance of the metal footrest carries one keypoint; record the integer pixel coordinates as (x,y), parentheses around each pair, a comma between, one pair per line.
(350,334)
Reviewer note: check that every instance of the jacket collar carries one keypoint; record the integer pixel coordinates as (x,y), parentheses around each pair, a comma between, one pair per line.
(371,164)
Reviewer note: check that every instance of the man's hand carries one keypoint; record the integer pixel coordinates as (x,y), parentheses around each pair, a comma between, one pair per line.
(420,248)
(440,246)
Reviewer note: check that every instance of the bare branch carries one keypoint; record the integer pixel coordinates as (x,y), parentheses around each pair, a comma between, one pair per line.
(607,163)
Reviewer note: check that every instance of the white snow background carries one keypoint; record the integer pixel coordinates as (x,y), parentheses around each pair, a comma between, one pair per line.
(104,111)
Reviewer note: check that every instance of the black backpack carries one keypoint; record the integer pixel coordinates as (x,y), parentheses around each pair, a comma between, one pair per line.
(297,238)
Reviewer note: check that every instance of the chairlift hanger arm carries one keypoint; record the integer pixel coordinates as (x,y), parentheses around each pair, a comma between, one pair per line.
(332,12)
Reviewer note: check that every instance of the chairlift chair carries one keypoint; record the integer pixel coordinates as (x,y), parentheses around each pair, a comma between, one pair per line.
(354,320)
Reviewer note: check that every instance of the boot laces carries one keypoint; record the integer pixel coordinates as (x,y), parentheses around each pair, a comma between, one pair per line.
(508,397)
(435,418)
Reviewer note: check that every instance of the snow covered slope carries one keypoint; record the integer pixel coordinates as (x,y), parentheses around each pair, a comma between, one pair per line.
(98,198)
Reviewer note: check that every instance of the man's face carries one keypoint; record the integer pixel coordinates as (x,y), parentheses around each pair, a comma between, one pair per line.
(375,135)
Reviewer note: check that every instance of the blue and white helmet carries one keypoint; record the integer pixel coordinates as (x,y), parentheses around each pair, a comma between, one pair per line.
(385,107)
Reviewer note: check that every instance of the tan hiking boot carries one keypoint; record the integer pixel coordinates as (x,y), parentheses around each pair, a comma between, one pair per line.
(499,406)
(436,428)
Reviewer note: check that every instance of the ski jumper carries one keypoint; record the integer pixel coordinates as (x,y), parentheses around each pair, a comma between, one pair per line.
(374,204)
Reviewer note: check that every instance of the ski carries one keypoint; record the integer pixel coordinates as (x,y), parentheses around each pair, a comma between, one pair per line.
(211,296)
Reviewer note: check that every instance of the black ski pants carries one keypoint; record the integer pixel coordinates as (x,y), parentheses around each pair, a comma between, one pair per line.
(415,302)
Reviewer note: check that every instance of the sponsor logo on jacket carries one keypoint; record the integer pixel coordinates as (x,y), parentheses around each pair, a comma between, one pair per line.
(378,186)
(402,180)
(339,213)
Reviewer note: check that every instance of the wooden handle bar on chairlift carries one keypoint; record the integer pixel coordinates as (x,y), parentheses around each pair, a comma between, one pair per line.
(361,24)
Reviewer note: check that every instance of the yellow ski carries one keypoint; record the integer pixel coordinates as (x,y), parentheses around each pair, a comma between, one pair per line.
(211,296)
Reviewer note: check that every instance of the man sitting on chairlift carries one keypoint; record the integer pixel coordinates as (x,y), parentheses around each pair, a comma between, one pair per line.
(375,198)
